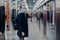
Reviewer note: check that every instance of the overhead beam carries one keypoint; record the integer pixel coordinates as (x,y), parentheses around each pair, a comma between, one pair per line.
(41,4)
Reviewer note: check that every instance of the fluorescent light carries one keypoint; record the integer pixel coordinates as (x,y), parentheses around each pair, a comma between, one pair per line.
(34,1)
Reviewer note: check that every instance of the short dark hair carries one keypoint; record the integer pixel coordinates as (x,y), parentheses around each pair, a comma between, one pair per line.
(20,6)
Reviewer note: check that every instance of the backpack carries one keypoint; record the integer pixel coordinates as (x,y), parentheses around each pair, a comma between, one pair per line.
(15,24)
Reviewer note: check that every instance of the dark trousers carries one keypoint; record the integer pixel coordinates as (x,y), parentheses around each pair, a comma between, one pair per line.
(21,38)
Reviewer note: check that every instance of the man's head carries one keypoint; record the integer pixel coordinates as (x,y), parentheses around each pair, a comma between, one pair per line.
(22,7)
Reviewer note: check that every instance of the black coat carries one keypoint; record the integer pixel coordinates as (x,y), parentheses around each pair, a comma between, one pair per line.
(2,19)
(22,24)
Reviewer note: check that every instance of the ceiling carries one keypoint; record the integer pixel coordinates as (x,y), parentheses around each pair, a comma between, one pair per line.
(31,3)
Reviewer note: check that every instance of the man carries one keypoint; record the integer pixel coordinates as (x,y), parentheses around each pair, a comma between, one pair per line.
(22,23)
(2,21)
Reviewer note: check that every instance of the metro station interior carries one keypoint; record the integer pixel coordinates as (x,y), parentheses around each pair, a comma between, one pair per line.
(44,24)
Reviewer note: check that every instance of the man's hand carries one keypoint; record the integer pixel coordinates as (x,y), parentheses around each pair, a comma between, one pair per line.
(29,14)
(1,36)
(23,34)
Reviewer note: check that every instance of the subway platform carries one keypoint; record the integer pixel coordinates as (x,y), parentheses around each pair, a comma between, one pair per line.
(34,32)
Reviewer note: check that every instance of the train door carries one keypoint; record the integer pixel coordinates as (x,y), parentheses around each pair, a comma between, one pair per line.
(51,27)
(57,19)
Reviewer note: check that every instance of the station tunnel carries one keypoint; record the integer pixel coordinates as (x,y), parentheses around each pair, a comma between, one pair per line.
(43,24)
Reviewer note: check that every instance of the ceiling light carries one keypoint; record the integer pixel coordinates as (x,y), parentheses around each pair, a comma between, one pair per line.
(33,0)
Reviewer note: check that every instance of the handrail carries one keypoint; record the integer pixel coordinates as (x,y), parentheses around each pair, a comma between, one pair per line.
(42,3)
